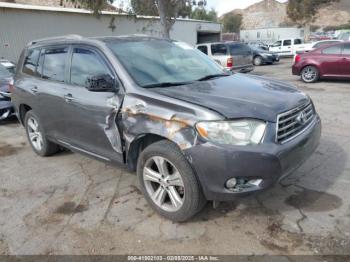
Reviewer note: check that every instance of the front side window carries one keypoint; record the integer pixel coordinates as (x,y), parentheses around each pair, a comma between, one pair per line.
(277,44)
(154,61)
(333,50)
(219,49)
(86,63)
(31,61)
(54,64)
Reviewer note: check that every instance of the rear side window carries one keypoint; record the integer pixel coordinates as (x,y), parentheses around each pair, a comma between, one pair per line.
(346,50)
(333,50)
(324,43)
(203,49)
(287,42)
(297,41)
(219,49)
(86,63)
(31,61)
(239,49)
(54,64)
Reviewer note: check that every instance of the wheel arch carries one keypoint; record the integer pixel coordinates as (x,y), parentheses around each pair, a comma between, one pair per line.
(23,109)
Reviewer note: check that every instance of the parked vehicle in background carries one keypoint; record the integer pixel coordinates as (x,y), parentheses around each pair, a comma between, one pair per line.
(312,46)
(191,130)
(11,67)
(344,36)
(233,56)
(286,47)
(331,61)
(7,70)
(261,56)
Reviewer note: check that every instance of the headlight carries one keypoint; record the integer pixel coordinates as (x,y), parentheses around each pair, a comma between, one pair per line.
(239,132)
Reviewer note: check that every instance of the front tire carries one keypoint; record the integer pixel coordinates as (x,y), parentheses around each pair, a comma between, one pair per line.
(258,61)
(36,136)
(168,182)
(310,74)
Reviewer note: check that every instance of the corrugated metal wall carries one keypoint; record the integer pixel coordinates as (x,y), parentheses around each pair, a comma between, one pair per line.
(18,27)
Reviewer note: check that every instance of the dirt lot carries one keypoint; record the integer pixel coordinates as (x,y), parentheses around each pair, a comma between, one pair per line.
(69,204)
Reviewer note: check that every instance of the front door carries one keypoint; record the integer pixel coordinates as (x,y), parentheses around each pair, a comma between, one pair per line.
(91,116)
(345,61)
(330,61)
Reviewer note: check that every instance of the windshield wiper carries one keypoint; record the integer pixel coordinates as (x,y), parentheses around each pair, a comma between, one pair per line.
(166,84)
(208,77)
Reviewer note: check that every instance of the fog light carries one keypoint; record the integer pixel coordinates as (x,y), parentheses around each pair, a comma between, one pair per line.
(231,183)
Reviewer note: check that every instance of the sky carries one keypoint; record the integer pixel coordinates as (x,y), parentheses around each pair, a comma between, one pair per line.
(221,6)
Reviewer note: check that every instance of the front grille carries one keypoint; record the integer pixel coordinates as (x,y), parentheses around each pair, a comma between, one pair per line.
(292,123)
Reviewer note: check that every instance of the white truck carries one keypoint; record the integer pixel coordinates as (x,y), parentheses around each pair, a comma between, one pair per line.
(287,47)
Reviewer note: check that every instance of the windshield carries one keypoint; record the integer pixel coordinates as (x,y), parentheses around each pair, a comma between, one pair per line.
(151,62)
(4,72)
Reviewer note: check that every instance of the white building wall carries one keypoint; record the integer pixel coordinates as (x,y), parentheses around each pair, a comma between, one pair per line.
(19,26)
(271,34)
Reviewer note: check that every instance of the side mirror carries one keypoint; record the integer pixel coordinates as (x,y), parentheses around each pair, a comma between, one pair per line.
(100,83)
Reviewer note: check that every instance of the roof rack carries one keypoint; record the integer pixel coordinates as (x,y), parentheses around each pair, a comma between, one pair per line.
(64,37)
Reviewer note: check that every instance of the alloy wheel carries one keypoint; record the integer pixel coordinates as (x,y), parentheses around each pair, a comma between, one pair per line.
(164,183)
(309,74)
(35,136)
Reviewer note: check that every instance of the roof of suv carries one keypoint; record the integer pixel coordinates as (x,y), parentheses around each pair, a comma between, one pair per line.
(80,39)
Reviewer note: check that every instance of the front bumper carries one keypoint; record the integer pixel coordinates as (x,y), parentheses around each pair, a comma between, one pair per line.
(6,109)
(271,59)
(215,164)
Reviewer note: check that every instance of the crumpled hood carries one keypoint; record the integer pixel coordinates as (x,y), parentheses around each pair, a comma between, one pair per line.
(240,96)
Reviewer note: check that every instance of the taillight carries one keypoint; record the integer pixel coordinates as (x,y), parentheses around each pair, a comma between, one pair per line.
(11,86)
(297,58)
(229,62)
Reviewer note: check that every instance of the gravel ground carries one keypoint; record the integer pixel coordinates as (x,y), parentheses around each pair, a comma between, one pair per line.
(70,204)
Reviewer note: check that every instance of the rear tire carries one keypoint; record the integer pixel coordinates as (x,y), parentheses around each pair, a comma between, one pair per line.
(36,136)
(310,74)
(185,186)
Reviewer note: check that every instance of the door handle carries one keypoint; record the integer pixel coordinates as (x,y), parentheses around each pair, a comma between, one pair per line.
(34,90)
(69,98)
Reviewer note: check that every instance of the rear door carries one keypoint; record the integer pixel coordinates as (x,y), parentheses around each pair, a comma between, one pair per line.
(49,87)
(331,60)
(91,117)
(345,61)
(220,53)
(242,55)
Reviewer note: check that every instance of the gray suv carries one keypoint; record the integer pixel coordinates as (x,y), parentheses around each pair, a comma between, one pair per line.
(233,56)
(192,131)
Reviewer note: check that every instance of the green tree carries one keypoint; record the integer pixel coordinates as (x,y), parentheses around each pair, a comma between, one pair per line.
(202,14)
(303,12)
(97,6)
(232,23)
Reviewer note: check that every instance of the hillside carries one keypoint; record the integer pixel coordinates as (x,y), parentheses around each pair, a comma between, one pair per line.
(271,13)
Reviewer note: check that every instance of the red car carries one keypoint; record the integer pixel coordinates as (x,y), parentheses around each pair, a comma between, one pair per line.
(331,61)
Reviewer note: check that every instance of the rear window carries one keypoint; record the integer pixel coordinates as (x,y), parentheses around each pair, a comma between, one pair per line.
(324,43)
(333,50)
(54,64)
(346,50)
(239,49)
(203,49)
(31,62)
(287,42)
(219,49)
